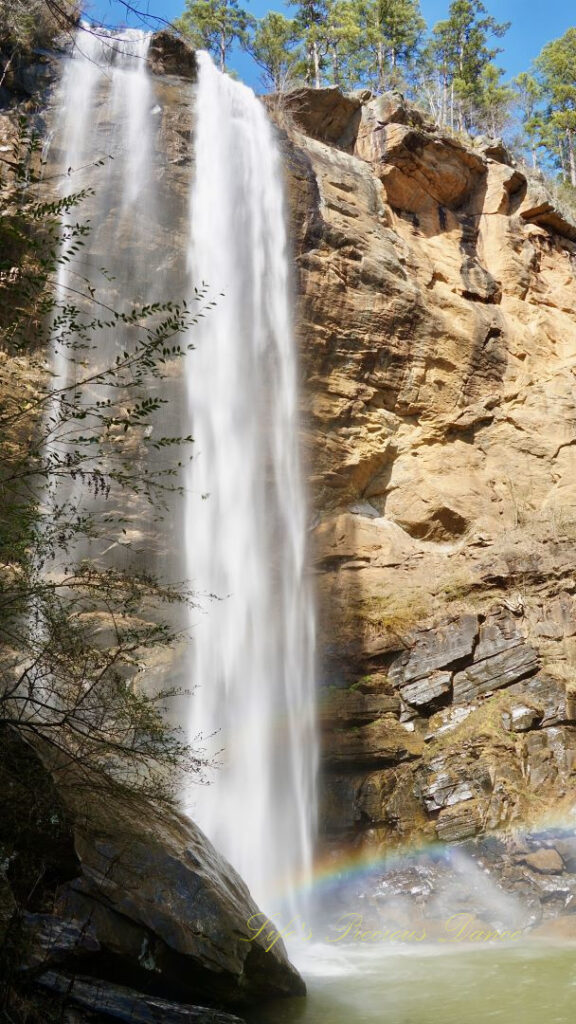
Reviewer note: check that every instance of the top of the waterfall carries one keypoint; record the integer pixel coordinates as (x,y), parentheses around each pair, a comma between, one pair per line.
(238,93)
(122,47)
(161,52)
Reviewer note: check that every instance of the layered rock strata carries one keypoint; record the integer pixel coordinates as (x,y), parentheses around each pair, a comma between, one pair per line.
(438,326)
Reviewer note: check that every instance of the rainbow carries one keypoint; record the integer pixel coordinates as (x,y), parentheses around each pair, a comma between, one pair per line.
(341,868)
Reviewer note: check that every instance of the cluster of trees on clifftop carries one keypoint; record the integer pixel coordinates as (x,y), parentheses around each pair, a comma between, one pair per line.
(451,68)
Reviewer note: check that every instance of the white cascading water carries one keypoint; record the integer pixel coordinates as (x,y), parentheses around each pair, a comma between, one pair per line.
(123,133)
(253,645)
(103,140)
(250,660)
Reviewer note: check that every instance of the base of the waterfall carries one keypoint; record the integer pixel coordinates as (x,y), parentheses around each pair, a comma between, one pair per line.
(442,935)
(528,982)
(491,888)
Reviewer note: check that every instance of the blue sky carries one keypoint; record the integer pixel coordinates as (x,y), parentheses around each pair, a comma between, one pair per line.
(532,27)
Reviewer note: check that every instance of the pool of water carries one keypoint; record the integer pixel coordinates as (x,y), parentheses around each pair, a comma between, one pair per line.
(528,983)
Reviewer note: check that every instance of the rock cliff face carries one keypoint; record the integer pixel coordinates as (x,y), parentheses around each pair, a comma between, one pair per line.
(438,328)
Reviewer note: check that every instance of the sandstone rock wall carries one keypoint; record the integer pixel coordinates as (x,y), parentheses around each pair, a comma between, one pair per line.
(438,330)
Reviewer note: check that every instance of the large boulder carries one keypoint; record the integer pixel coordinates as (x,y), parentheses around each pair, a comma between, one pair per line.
(161,900)
(131,890)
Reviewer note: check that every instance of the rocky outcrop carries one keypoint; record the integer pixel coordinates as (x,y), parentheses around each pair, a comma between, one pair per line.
(170,55)
(126,890)
(121,1003)
(321,113)
(438,330)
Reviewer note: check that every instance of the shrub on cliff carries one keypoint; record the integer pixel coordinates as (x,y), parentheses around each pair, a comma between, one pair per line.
(28,24)
(75,633)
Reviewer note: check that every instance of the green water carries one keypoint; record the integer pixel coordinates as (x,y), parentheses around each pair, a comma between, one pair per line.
(531,983)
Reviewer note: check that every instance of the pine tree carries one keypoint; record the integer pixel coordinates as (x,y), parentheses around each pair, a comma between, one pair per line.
(556,66)
(393,30)
(461,52)
(274,47)
(215,25)
(342,42)
(528,95)
(311,19)
(493,111)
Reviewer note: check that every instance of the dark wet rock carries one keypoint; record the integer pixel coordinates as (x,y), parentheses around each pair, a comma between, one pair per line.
(7,906)
(354,802)
(426,692)
(125,1004)
(435,649)
(31,77)
(170,55)
(124,888)
(351,801)
(494,673)
(49,939)
(478,284)
(162,900)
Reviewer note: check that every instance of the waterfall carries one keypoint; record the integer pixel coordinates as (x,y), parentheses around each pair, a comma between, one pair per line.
(241,536)
(252,655)
(103,141)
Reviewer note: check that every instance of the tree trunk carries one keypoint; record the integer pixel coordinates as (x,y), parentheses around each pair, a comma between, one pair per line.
(336,67)
(222,46)
(444,103)
(316,62)
(380,62)
(571,157)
